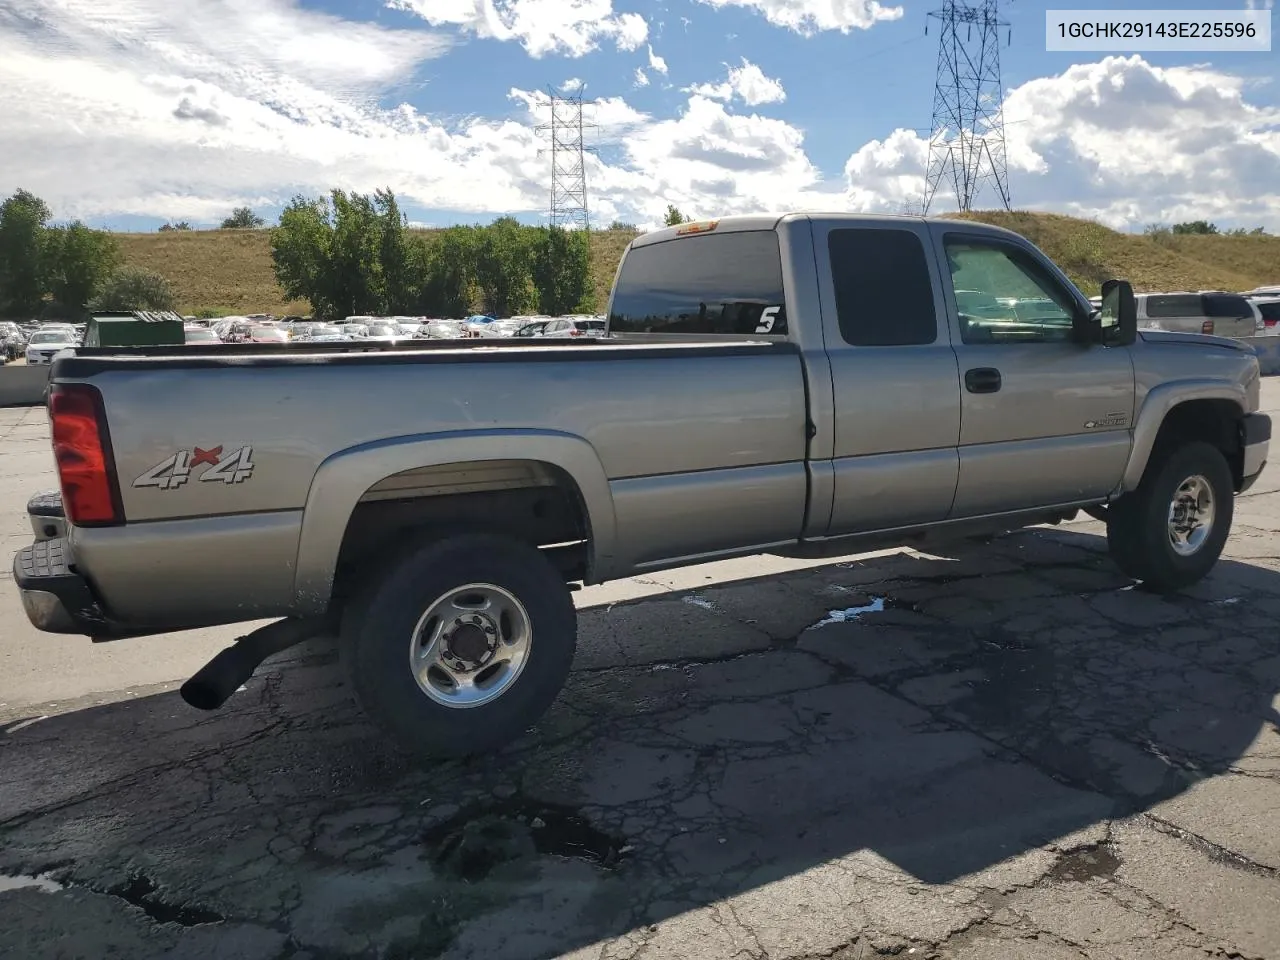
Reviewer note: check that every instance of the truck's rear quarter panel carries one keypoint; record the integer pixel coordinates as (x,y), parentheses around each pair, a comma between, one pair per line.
(699,443)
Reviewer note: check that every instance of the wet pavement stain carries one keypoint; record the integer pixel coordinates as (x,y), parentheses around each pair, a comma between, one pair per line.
(1087,863)
(473,842)
(140,891)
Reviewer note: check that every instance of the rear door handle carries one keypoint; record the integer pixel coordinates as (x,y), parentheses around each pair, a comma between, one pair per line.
(982,380)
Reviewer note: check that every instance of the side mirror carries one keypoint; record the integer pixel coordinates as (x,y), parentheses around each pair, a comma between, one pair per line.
(1116,323)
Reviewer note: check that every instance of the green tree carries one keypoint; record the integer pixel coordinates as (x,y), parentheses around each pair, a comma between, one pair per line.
(180,225)
(674,217)
(242,218)
(398,292)
(503,262)
(300,248)
(561,267)
(1201,227)
(623,226)
(76,262)
(22,224)
(135,289)
(446,267)
(354,262)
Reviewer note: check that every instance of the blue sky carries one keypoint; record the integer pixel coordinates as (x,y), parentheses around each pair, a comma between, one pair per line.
(131,112)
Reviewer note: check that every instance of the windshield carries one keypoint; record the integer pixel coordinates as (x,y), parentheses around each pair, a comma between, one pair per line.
(50,336)
(268,333)
(202,335)
(383,330)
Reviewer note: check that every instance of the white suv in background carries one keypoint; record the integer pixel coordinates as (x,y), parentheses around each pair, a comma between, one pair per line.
(1269,309)
(1216,313)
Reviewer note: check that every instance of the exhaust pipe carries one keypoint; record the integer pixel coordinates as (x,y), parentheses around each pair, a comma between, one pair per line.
(222,676)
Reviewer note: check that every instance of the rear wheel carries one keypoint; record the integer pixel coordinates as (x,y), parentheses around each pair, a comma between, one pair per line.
(1171,530)
(462,646)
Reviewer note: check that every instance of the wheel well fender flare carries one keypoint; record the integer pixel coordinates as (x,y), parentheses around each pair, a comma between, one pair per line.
(1156,407)
(344,477)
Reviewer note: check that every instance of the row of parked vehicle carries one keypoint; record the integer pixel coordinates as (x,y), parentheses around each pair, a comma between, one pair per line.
(37,342)
(1253,313)
(267,329)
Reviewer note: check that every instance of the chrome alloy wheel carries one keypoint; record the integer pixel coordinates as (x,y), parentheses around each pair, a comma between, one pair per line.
(470,645)
(1191,514)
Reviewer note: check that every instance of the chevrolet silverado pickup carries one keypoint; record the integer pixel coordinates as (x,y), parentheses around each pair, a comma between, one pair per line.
(804,385)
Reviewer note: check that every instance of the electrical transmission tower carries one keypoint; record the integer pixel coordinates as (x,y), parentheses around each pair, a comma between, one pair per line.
(966,143)
(568,149)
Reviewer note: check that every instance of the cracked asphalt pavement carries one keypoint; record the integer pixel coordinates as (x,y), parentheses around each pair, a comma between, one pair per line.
(1002,750)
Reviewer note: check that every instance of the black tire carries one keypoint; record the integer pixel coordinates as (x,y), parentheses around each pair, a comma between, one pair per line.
(380,621)
(1138,523)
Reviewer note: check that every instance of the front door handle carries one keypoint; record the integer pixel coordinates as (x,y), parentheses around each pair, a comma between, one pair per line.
(982,380)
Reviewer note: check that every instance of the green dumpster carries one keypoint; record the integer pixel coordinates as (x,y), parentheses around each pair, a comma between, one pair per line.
(135,328)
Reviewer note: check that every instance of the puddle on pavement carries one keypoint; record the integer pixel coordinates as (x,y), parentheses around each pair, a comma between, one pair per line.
(1085,864)
(19,881)
(470,844)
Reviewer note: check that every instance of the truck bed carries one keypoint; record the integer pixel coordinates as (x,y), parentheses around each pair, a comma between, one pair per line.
(702,447)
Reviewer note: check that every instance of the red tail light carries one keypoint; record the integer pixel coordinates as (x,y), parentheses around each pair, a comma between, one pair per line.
(82,449)
(1207,327)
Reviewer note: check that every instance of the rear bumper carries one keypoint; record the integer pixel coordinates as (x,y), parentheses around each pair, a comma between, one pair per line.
(55,598)
(1255,438)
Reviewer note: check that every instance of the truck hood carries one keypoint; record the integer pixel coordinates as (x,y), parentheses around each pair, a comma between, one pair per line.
(1194,340)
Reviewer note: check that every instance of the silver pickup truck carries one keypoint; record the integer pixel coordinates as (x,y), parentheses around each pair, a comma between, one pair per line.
(804,385)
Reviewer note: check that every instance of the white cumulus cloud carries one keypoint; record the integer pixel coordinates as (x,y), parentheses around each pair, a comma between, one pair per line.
(184,109)
(812,16)
(747,82)
(1119,140)
(570,27)
(656,63)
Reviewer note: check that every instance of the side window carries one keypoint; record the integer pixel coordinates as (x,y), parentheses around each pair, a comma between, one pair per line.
(884,295)
(1226,305)
(1174,305)
(728,283)
(1003,296)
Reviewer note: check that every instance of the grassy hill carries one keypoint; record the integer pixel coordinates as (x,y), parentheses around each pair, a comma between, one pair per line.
(229,271)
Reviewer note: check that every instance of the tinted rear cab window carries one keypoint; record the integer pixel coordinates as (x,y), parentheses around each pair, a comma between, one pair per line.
(711,284)
(884,295)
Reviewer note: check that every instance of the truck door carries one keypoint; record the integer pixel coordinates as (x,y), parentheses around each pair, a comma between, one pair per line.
(1045,421)
(894,377)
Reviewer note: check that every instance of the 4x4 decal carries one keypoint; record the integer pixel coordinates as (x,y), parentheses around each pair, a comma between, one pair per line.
(176,469)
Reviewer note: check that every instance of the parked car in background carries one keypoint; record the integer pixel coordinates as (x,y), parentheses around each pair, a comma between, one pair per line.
(574,327)
(1269,309)
(1213,313)
(267,335)
(12,340)
(199,336)
(440,330)
(43,344)
(385,332)
(533,329)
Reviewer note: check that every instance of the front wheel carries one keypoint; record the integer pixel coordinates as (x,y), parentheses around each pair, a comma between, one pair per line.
(462,646)
(1171,530)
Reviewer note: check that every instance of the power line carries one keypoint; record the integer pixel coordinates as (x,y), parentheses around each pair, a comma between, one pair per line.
(568,149)
(966,141)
